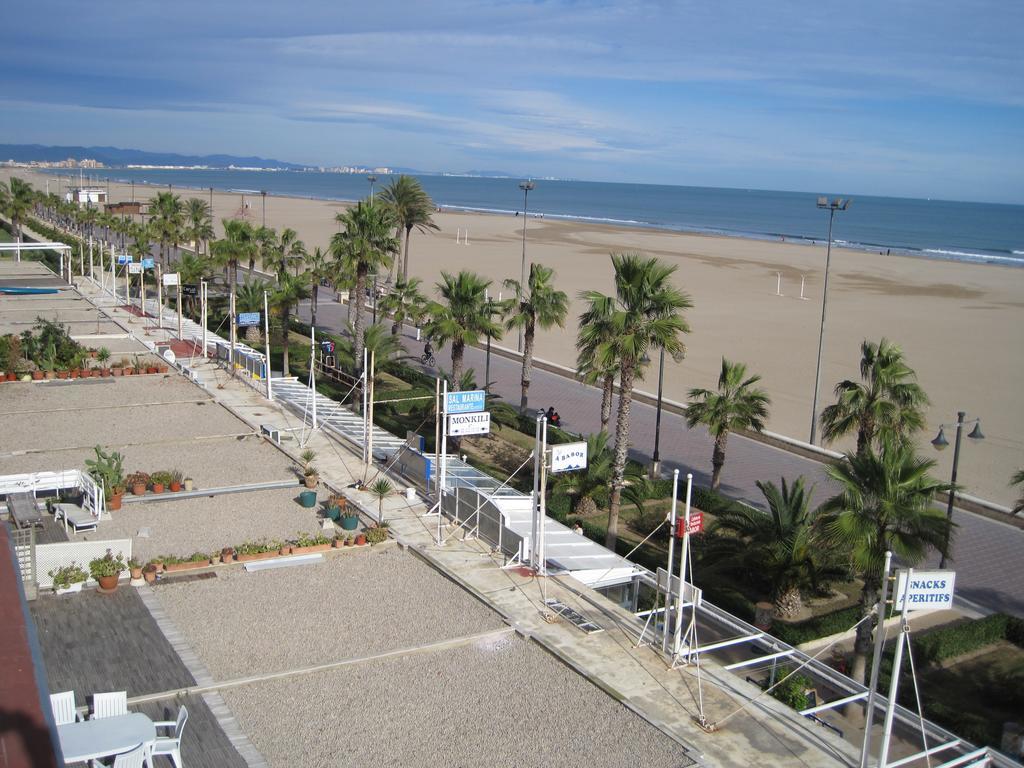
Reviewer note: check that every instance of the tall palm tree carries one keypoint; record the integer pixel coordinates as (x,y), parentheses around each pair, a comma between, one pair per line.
(249,298)
(411,208)
(167,223)
(595,329)
(319,270)
(291,289)
(377,340)
(737,404)
(645,314)
(365,245)
(537,303)
(238,244)
(461,319)
(884,504)
(405,303)
(292,249)
(199,222)
(887,402)
(783,547)
(267,250)
(589,485)
(191,270)
(17,199)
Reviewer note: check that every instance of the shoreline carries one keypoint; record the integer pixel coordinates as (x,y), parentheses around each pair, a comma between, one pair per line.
(935,254)
(957,321)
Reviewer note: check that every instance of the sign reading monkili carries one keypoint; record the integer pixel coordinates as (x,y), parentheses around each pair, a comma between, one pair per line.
(469,424)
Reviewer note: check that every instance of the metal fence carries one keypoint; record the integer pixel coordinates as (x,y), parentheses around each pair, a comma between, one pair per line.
(478,515)
(24,540)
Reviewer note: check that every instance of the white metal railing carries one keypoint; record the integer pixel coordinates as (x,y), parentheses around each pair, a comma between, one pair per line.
(34,482)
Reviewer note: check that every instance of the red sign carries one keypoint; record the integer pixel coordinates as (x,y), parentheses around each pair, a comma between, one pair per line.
(696,525)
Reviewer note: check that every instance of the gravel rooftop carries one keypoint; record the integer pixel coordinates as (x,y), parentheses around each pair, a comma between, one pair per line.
(464,706)
(353,604)
(104,392)
(207,524)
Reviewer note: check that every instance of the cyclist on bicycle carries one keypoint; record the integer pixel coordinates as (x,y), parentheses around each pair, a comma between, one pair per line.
(428,351)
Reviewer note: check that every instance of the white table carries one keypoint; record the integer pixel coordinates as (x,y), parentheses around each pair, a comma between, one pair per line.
(93,739)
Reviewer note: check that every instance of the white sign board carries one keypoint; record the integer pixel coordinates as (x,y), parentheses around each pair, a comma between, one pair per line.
(470,401)
(134,269)
(171,278)
(691,594)
(928,591)
(567,457)
(469,424)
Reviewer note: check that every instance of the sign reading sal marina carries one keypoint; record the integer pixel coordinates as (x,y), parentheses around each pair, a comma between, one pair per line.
(928,591)
(464,402)
(469,424)
(567,457)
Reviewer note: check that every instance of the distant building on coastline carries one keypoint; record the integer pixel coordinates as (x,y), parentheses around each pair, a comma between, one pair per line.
(69,163)
(86,195)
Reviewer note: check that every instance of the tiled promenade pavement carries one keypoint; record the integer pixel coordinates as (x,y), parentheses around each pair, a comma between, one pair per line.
(987,552)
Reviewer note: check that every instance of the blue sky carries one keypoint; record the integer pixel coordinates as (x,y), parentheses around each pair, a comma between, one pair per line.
(901,97)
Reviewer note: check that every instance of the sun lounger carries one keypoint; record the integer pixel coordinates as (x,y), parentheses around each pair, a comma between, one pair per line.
(23,509)
(79,519)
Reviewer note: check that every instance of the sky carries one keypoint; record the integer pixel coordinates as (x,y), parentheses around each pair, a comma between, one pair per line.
(898,97)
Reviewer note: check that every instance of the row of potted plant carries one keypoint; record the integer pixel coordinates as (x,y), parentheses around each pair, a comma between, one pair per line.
(125,367)
(106,570)
(158,482)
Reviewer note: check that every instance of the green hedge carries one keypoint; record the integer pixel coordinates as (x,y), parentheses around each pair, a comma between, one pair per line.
(817,627)
(958,639)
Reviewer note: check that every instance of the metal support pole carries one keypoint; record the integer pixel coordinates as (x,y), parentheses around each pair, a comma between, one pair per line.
(233,334)
(821,332)
(534,535)
(369,411)
(312,369)
(266,334)
(160,297)
(526,186)
(202,313)
(869,715)
(366,429)
(177,293)
(894,683)
(142,296)
(444,461)
(437,437)
(671,553)
(542,507)
(656,458)
(683,556)
(960,416)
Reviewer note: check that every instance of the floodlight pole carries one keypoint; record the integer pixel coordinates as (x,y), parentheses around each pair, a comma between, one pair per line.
(177,293)
(940,443)
(683,557)
(534,535)
(869,715)
(369,411)
(202,311)
(234,332)
(832,206)
(526,186)
(541,505)
(160,297)
(671,552)
(444,460)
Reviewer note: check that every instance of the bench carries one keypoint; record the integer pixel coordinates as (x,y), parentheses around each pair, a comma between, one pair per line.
(24,510)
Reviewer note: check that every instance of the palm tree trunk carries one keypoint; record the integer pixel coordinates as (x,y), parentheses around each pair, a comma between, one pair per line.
(405,260)
(606,400)
(458,349)
(313,303)
(396,265)
(527,363)
(718,459)
(285,312)
(357,325)
(626,378)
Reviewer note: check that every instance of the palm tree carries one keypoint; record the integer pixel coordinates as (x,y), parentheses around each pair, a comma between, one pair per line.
(462,318)
(783,546)
(377,340)
(888,402)
(292,249)
(291,289)
(238,243)
(268,251)
(594,330)
(364,246)
(319,270)
(737,404)
(538,303)
(18,198)
(249,298)
(411,208)
(405,303)
(191,270)
(199,222)
(167,222)
(644,314)
(884,504)
(1018,479)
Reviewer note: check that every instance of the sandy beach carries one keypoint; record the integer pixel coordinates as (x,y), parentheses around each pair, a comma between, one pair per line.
(961,325)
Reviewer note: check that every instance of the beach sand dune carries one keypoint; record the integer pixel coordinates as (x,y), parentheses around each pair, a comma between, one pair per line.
(961,325)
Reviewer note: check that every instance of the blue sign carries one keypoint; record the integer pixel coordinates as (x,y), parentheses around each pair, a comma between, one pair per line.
(147,264)
(124,258)
(465,402)
(248,318)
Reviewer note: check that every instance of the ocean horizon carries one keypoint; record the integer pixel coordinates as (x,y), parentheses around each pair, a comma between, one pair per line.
(991,233)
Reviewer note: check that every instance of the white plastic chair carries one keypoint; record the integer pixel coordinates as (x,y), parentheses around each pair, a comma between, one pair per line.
(136,758)
(171,746)
(109,704)
(63,705)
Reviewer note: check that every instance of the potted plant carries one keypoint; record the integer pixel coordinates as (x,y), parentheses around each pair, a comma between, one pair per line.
(108,469)
(126,367)
(305,543)
(227,555)
(172,563)
(349,520)
(309,472)
(157,563)
(381,489)
(376,534)
(198,560)
(360,539)
(103,356)
(176,477)
(68,578)
(107,570)
(160,480)
(149,573)
(189,483)
(135,568)
(257,550)
(138,482)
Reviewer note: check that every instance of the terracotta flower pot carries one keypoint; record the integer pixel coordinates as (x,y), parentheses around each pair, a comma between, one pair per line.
(286,550)
(60,374)
(174,567)
(158,487)
(129,371)
(108,583)
(37,375)
(310,548)
(175,486)
(360,540)
(310,481)
(12,376)
(256,556)
(227,555)
(149,574)
(117,371)
(115,502)
(139,489)
(74,373)
(105,373)
(136,573)
(337,543)
(161,369)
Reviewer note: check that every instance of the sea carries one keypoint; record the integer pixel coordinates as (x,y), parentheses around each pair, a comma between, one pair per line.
(941,229)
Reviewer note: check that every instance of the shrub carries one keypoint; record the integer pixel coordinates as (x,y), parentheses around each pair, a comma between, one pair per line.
(950,642)
(108,565)
(819,626)
(137,478)
(67,575)
(376,534)
(791,691)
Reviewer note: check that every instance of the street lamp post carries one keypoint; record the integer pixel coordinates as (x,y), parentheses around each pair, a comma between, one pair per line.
(371,178)
(263,194)
(526,186)
(941,443)
(839,204)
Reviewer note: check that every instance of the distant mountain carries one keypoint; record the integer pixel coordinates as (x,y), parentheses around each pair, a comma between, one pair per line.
(115,156)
